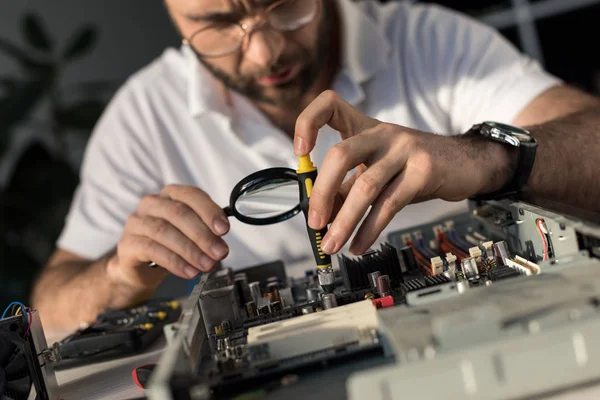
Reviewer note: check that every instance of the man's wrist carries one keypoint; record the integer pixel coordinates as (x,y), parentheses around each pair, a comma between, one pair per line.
(498,163)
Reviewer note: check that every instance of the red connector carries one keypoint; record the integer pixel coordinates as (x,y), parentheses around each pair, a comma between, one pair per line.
(383,302)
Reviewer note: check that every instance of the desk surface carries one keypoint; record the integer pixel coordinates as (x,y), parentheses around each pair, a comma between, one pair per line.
(106,380)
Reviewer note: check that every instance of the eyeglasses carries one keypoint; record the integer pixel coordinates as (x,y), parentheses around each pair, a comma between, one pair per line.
(223,38)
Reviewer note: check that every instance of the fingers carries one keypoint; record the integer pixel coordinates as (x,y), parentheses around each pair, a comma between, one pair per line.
(328,109)
(145,249)
(364,192)
(209,212)
(164,234)
(339,199)
(400,192)
(340,159)
(179,216)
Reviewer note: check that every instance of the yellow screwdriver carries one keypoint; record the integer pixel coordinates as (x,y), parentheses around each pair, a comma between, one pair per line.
(307,174)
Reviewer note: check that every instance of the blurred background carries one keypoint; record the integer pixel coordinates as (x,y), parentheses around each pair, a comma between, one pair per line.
(61,61)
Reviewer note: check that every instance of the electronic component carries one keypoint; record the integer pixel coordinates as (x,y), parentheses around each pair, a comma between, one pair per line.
(437,265)
(309,333)
(501,252)
(329,300)
(355,271)
(373,279)
(26,370)
(469,268)
(255,292)
(218,305)
(384,287)
(427,319)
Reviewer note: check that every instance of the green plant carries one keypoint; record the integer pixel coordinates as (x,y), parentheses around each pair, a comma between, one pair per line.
(34,202)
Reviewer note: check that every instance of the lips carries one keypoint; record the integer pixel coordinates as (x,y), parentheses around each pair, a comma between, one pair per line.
(284,75)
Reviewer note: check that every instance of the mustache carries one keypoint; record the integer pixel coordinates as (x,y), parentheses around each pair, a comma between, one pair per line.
(282,62)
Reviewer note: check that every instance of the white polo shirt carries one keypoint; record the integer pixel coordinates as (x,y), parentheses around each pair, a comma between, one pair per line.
(420,66)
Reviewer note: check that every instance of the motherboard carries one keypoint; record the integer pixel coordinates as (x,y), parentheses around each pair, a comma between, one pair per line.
(500,302)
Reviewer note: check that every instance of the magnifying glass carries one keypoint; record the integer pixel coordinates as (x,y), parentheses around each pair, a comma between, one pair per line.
(265,197)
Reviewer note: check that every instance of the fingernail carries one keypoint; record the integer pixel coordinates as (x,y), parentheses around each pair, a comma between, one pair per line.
(190,271)
(221,226)
(219,250)
(206,262)
(328,245)
(300,147)
(314,219)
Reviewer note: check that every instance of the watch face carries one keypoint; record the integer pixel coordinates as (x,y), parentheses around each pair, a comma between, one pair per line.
(506,133)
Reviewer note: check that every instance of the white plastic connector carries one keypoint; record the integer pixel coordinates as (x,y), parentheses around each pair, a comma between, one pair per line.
(451,258)
(475,252)
(437,265)
(524,266)
(449,225)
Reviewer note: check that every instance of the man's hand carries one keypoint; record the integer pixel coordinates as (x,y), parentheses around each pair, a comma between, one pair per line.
(179,229)
(403,166)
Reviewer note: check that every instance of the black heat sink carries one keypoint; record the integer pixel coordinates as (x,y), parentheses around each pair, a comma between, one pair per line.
(355,270)
(421,283)
(502,272)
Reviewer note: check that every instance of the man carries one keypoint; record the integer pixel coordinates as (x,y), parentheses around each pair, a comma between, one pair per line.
(251,76)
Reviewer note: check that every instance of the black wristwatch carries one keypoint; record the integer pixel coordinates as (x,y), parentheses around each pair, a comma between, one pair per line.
(526,147)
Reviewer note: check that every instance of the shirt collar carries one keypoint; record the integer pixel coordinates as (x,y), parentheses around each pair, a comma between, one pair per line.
(365,51)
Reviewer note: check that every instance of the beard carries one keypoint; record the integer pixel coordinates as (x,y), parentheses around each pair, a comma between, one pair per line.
(290,92)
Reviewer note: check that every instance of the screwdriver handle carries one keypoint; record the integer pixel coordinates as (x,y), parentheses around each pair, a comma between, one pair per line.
(306,180)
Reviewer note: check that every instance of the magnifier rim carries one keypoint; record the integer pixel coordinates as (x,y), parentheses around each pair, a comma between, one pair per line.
(257,178)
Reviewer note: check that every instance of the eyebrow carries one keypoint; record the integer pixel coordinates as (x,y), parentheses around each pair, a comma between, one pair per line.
(225,15)
(214,16)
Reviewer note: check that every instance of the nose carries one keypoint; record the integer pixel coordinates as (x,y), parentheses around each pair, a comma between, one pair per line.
(264,46)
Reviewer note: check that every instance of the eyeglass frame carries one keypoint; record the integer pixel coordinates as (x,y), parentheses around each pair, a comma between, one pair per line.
(260,18)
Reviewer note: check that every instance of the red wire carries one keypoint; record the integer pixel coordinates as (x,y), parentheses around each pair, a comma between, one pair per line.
(544,243)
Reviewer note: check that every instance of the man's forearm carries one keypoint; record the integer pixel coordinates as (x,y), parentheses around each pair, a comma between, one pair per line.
(70,292)
(567,160)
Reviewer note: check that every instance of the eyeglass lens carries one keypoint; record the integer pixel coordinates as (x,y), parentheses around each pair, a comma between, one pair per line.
(226,37)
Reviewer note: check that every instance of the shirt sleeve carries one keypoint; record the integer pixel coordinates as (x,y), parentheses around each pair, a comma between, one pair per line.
(478,74)
(116,172)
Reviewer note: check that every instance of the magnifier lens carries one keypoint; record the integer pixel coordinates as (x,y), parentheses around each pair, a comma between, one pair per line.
(266,197)
(268,200)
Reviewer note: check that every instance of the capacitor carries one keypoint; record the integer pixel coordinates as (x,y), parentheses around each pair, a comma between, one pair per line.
(312,294)
(275,306)
(226,326)
(220,344)
(384,287)
(264,309)
(227,342)
(255,291)
(307,310)
(329,300)
(373,279)
(469,268)
(501,252)
(251,309)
